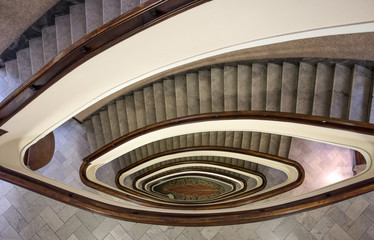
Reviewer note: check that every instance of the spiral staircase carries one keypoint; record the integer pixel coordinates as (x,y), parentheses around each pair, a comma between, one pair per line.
(211,164)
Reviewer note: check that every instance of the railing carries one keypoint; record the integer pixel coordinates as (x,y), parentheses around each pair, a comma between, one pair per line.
(210,219)
(111,33)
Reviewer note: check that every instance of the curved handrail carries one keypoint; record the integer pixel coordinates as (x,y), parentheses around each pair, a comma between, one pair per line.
(241,199)
(189,169)
(210,219)
(142,17)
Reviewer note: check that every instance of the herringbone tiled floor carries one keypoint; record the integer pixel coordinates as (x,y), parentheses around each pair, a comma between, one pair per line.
(27,215)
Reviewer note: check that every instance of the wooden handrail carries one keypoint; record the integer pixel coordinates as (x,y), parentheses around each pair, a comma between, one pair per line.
(241,199)
(184,173)
(134,21)
(210,219)
(185,205)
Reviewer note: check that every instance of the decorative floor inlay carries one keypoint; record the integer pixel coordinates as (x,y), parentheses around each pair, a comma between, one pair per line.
(190,189)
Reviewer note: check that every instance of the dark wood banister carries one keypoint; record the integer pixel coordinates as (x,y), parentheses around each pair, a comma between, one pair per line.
(245,198)
(210,219)
(184,173)
(214,203)
(142,17)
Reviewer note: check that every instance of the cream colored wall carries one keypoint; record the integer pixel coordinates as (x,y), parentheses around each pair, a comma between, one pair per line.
(210,29)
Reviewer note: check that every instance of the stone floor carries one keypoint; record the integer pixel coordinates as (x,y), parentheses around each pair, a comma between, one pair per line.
(27,215)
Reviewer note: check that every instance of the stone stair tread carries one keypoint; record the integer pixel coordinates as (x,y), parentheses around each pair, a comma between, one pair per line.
(111,9)
(216,75)
(289,87)
(255,141)
(24,64)
(150,113)
(341,92)
(264,142)
(49,43)
(258,87)
(323,90)
(90,135)
(140,115)
(230,88)
(94,14)
(274,144)
(11,78)
(105,123)
(124,129)
(205,91)
(98,129)
(284,146)
(132,121)
(244,87)
(113,121)
(36,54)
(78,21)
(273,87)
(159,99)
(305,91)
(127,5)
(63,32)
(358,109)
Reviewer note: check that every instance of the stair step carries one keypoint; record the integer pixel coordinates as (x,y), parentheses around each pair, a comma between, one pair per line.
(91,135)
(284,146)
(305,91)
(244,87)
(140,116)
(78,21)
(12,77)
(36,54)
(170,109)
(246,141)
(341,92)
(274,144)
(216,75)
(94,14)
(192,93)
(273,87)
(205,96)
(114,127)
(193,103)
(230,85)
(158,93)
(49,43)
(113,121)
(255,141)
(150,112)
(264,142)
(104,119)
(132,121)
(360,94)
(258,87)
(63,32)
(127,5)
(124,129)
(205,91)
(98,129)
(111,9)
(323,90)
(24,64)
(290,74)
